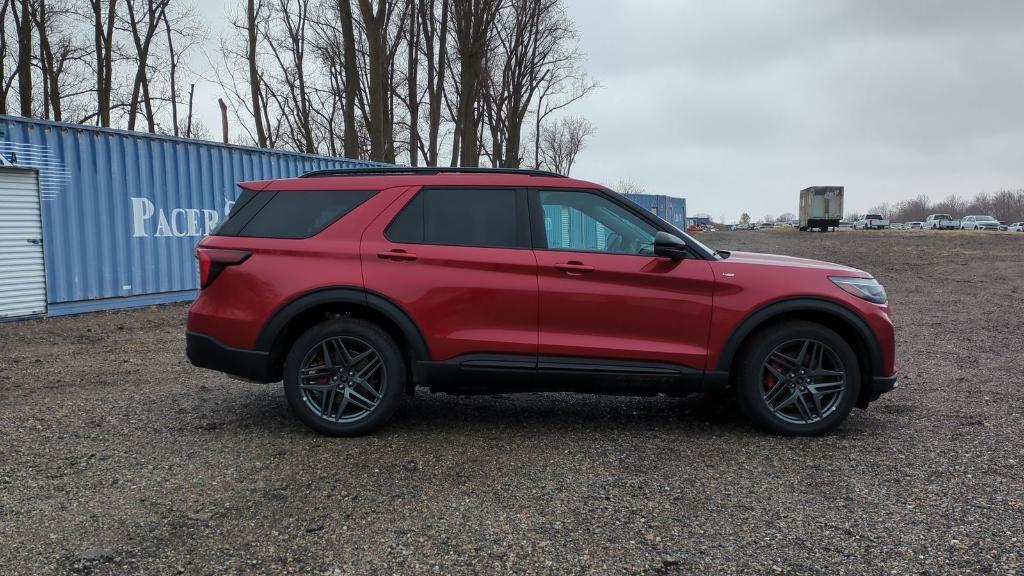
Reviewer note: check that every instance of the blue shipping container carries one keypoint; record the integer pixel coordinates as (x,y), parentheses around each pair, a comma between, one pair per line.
(122,211)
(669,208)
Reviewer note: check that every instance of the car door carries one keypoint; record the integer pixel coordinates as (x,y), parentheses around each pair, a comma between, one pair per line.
(603,293)
(458,261)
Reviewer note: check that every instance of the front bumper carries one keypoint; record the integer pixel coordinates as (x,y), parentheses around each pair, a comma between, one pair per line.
(207,352)
(883,384)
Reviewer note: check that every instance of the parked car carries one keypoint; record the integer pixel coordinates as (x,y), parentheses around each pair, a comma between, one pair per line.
(940,222)
(979,223)
(871,222)
(356,286)
(914,225)
(1016,227)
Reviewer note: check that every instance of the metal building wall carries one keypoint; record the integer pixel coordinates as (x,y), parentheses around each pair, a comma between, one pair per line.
(669,208)
(122,211)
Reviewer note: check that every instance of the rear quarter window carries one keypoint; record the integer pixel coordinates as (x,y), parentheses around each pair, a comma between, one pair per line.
(289,214)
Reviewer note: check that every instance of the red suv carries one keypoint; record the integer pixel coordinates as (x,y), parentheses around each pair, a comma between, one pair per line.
(356,286)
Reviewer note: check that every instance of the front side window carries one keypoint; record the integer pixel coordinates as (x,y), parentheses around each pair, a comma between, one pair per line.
(488,217)
(584,221)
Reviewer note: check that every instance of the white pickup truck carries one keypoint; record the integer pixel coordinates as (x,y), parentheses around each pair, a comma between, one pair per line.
(871,222)
(940,222)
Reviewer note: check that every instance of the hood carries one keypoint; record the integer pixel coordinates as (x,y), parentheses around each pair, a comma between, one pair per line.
(755,258)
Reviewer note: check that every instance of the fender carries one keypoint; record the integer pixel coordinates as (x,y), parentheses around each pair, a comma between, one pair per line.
(776,309)
(344,295)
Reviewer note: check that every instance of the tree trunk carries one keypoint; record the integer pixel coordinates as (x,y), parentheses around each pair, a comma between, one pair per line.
(223,119)
(254,76)
(373,23)
(173,74)
(188,122)
(351,136)
(25,58)
(413,69)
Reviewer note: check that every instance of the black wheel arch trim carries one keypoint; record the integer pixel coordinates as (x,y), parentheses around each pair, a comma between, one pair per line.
(344,295)
(803,304)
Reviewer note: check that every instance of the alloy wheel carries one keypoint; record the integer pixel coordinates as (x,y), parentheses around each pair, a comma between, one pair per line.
(803,381)
(342,379)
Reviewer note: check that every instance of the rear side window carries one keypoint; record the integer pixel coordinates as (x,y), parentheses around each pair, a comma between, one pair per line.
(488,217)
(288,214)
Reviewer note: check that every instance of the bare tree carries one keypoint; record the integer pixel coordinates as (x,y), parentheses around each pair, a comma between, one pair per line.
(57,55)
(23,23)
(473,25)
(380,54)
(104,13)
(434,23)
(562,141)
(5,80)
(629,187)
(143,22)
(535,42)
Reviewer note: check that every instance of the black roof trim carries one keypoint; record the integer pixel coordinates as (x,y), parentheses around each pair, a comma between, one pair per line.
(400,170)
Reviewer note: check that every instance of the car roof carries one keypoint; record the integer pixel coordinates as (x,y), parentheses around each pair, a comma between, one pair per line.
(363,180)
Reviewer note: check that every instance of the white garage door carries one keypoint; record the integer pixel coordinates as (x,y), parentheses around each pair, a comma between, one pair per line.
(22,275)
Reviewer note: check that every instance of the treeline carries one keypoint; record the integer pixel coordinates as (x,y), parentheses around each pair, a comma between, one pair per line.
(423,82)
(1005,205)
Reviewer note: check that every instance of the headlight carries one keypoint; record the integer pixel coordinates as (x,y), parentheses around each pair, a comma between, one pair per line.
(867,288)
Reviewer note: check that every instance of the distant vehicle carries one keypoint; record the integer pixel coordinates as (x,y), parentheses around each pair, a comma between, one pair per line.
(871,222)
(940,222)
(914,225)
(979,223)
(1016,227)
(821,207)
(899,226)
(845,224)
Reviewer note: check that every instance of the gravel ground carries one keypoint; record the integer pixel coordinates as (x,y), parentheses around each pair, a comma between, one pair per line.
(118,457)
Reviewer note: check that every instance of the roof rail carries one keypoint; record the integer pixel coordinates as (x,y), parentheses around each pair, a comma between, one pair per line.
(399,170)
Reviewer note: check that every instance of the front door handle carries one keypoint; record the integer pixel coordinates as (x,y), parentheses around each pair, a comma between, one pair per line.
(574,267)
(397,255)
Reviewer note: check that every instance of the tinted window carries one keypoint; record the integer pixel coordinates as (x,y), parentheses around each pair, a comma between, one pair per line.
(493,217)
(587,221)
(288,214)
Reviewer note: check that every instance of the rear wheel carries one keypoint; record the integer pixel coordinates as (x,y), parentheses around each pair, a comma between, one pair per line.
(797,378)
(344,377)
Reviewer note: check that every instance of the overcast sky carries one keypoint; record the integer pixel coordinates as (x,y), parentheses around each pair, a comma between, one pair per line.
(736,105)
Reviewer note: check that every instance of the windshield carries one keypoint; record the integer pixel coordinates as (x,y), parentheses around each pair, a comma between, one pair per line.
(873,217)
(984,218)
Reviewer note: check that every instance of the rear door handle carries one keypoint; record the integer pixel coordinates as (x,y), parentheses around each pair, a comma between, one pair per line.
(574,267)
(397,255)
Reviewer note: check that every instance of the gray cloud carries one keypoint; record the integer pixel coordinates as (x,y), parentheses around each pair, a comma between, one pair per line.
(737,105)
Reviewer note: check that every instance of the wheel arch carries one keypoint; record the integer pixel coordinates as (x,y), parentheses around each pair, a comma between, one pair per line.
(311,308)
(830,314)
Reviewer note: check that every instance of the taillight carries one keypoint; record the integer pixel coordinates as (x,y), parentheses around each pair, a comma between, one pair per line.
(213,261)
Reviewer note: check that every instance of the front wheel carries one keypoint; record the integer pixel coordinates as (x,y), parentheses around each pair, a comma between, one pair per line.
(797,379)
(344,377)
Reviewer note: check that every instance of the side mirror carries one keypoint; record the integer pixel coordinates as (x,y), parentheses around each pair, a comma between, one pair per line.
(669,246)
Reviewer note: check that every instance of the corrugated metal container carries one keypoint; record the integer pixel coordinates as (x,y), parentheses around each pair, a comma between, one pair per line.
(669,208)
(121,211)
(821,207)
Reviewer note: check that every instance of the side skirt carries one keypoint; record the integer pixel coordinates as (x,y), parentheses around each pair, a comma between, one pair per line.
(507,374)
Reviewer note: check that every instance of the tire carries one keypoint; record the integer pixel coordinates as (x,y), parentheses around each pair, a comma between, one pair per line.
(332,401)
(755,381)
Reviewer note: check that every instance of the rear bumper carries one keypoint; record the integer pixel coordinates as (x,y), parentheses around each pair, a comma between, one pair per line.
(207,352)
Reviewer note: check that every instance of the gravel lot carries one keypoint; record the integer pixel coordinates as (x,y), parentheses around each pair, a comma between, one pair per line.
(118,457)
